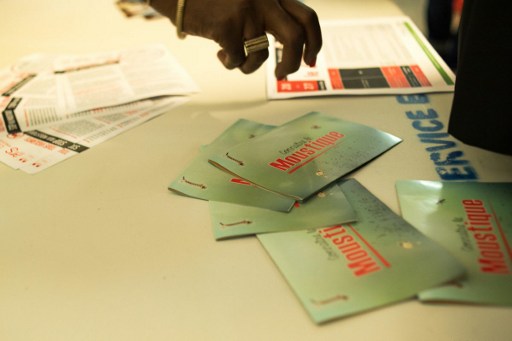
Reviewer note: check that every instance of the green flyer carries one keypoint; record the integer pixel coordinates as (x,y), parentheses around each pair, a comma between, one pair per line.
(304,155)
(203,181)
(472,220)
(326,208)
(350,268)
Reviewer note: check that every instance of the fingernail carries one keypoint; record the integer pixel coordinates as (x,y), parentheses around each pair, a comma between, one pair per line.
(312,63)
(280,77)
(221,55)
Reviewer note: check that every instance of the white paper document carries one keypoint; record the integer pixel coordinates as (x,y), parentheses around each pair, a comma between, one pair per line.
(43,89)
(35,150)
(55,107)
(386,55)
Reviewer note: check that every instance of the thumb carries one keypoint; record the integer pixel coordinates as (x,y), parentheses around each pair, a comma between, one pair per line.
(230,61)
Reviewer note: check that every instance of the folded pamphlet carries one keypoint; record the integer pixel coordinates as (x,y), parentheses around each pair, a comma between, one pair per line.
(472,220)
(203,181)
(350,268)
(302,156)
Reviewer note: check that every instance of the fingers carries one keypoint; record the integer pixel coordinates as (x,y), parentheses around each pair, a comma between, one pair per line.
(246,64)
(290,35)
(296,26)
(254,59)
(292,23)
(233,53)
(231,58)
(230,37)
(308,19)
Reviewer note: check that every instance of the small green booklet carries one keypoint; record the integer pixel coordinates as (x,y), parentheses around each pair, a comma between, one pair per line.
(304,155)
(347,269)
(326,208)
(472,220)
(203,181)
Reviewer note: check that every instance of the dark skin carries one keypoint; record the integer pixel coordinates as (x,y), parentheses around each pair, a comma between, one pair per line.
(231,22)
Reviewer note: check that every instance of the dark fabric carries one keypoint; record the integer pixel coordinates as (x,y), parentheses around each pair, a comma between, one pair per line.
(439,19)
(482,107)
(439,28)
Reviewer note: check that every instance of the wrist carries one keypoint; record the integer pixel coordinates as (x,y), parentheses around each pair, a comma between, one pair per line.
(174,10)
(164,7)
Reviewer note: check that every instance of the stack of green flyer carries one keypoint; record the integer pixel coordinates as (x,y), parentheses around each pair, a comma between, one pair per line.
(204,181)
(473,221)
(346,269)
(304,155)
(321,148)
(341,249)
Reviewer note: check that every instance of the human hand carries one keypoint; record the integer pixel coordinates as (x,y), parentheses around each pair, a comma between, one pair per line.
(231,22)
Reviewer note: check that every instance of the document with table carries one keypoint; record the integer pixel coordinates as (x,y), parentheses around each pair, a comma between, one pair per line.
(365,57)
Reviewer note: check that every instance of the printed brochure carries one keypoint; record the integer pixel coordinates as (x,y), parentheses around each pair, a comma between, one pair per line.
(473,221)
(350,268)
(303,156)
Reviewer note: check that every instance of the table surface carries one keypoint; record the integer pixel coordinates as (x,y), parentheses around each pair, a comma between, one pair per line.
(97,248)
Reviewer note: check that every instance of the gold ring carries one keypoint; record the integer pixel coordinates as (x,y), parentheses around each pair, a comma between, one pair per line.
(256,44)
